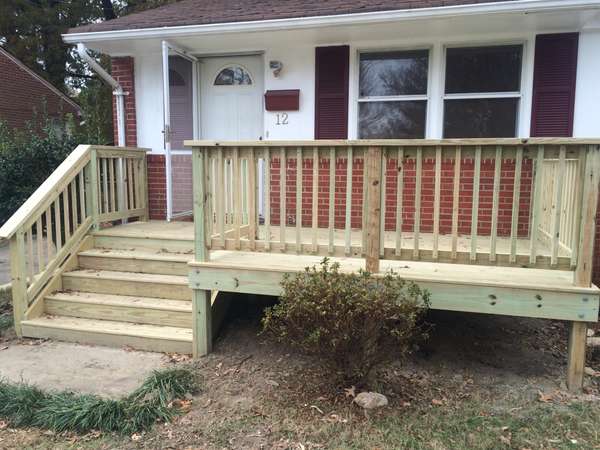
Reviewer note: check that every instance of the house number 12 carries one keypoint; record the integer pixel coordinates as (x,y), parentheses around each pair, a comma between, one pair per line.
(282,119)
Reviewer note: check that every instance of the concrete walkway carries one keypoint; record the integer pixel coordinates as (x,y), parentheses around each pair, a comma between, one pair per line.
(109,372)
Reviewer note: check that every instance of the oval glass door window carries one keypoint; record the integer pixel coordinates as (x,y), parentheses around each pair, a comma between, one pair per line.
(233,76)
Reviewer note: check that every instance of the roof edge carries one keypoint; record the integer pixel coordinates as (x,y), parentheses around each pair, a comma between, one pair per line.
(523,6)
(45,82)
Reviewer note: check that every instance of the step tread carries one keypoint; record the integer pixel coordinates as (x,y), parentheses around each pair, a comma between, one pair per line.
(128,276)
(92,298)
(100,252)
(111,327)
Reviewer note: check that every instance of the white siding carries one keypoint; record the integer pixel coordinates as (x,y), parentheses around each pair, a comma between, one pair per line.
(587,94)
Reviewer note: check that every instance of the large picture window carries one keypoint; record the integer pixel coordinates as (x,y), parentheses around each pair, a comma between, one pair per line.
(482,91)
(392,101)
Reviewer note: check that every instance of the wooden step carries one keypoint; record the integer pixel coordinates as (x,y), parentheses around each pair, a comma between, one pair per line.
(127,283)
(110,333)
(118,241)
(121,308)
(143,261)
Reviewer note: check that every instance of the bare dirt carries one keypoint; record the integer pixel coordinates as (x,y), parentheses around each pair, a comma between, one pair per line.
(476,378)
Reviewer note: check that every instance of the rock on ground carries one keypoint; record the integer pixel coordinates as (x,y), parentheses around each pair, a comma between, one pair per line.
(370,400)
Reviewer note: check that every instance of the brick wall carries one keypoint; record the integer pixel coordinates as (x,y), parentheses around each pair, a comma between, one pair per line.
(408,197)
(157,187)
(123,71)
(24,95)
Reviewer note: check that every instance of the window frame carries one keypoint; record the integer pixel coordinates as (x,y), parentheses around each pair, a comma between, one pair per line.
(394,98)
(228,66)
(520,95)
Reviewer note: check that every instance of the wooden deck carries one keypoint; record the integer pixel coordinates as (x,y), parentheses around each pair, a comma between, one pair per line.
(531,292)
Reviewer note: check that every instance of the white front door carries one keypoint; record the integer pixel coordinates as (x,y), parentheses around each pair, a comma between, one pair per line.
(231,98)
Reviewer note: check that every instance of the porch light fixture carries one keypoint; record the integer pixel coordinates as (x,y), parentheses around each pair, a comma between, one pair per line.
(276,67)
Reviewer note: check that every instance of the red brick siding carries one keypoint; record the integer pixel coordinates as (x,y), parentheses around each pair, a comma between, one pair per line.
(408,198)
(123,71)
(23,95)
(157,187)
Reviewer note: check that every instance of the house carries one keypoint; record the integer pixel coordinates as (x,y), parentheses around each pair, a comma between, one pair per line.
(453,141)
(24,95)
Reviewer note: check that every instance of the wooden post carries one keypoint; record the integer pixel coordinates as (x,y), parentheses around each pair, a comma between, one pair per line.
(583,271)
(91,188)
(143,186)
(201,300)
(19,279)
(374,208)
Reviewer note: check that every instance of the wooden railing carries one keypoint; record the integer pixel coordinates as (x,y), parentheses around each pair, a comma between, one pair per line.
(93,185)
(510,202)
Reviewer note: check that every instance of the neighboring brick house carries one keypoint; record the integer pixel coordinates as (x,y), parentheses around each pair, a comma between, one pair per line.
(24,94)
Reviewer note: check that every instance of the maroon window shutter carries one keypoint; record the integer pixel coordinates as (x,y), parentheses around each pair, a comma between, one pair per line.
(331,99)
(554,80)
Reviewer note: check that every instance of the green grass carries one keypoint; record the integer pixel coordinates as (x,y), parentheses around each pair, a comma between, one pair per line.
(24,405)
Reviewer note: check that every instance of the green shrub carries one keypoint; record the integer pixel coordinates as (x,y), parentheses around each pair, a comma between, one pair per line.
(353,322)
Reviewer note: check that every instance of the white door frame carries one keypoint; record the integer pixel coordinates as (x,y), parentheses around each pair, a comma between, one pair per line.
(167,50)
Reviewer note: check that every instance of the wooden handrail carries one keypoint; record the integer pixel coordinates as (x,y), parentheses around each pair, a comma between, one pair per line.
(53,221)
(395,142)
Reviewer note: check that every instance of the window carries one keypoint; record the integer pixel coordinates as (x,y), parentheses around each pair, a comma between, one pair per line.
(393,94)
(233,76)
(483,91)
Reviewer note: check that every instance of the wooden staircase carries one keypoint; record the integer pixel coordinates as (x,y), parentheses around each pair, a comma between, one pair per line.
(121,290)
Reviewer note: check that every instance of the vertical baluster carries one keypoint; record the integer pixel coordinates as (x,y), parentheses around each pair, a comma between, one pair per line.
(455,199)
(252,219)
(382,196)
(49,250)
(558,189)
(475,205)
(299,200)
(578,205)
(417,217)
(514,228)
(39,237)
(331,222)
(74,204)
(104,178)
(30,265)
(267,198)
(348,218)
(282,198)
(495,202)
(315,200)
(111,182)
(399,199)
(365,200)
(65,201)
(82,214)
(220,202)
(536,208)
(130,181)
(436,201)
(57,225)
(237,200)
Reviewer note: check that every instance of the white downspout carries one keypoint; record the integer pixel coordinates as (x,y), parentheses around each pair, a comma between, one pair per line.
(117,91)
(120,99)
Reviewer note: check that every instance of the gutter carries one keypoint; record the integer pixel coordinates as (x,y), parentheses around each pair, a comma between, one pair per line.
(520,6)
(117,90)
